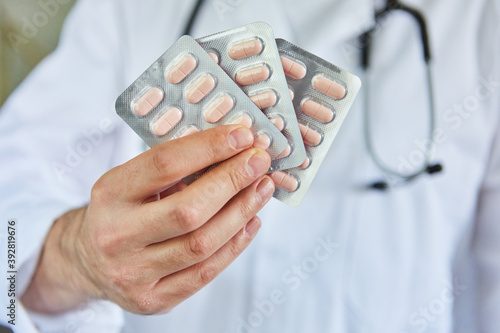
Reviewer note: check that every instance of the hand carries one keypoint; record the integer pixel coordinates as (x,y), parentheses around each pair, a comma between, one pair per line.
(146,241)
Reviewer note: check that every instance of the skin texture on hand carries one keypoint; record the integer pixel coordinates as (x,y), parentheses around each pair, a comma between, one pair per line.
(146,241)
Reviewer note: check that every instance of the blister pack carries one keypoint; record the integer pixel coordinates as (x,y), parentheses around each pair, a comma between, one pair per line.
(323,94)
(185,91)
(249,55)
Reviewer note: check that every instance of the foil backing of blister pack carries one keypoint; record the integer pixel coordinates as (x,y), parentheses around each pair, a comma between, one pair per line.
(176,95)
(223,47)
(305,90)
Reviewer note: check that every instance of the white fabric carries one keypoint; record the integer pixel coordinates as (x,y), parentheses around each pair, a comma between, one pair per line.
(420,258)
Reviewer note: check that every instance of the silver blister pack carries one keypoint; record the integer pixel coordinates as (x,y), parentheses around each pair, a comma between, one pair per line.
(185,91)
(249,55)
(323,94)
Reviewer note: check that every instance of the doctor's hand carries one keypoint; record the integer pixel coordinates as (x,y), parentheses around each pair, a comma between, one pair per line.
(146,241)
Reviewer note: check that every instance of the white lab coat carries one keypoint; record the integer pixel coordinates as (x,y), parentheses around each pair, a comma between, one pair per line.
(424,257)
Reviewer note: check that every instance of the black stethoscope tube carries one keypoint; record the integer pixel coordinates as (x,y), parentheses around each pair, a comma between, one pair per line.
(366,40)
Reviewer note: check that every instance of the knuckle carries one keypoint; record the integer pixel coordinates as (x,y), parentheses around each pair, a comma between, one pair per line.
(234,248)
(247,209)
(186,216)
(145,303)
(206,272)
(120,277)
(130,276)
(161,161)
(107,243)
(236,178)
(199,246)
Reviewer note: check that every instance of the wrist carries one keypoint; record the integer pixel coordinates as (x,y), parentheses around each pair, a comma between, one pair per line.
(59,284)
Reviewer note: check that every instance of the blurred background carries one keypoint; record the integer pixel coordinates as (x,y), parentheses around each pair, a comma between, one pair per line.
(29,31)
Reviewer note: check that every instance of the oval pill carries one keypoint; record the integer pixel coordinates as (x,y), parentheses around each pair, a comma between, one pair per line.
(262,141)
(168,120)
(245,49)
(244,120)
(265,99)
(181,69)
(190,130)
(306,164)
(151,98)
(201,88)
(310,136)
(278,122)
(284,153)
(292,68)
(285,181)
(214,56)
(328,87)
(317,111)
(252,75)
(292,95)
(218,109)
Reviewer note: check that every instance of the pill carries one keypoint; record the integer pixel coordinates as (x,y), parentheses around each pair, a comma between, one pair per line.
(252,75)
(245,49)
(190,130)
(148,101)
(278,122)
(328,87)
(293,68)
(306,164)
(218,109)
(285,153)
(181,69)
(292,95)
(214,56)
(244,120)
(310,136)
(265,99)
(318,111)
(168,120)
(201,88)
(285,181)
(262,141)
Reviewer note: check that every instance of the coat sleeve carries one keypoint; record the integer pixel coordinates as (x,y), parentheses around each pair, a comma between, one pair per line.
(477,262)
(58,134)
(486,246)
(486,238)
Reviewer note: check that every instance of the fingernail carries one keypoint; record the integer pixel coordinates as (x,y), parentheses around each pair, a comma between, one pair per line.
(265,190)
(240,138)
(258,164)
(252,227)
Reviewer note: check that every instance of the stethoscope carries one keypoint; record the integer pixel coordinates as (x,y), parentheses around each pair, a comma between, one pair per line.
(397,178)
